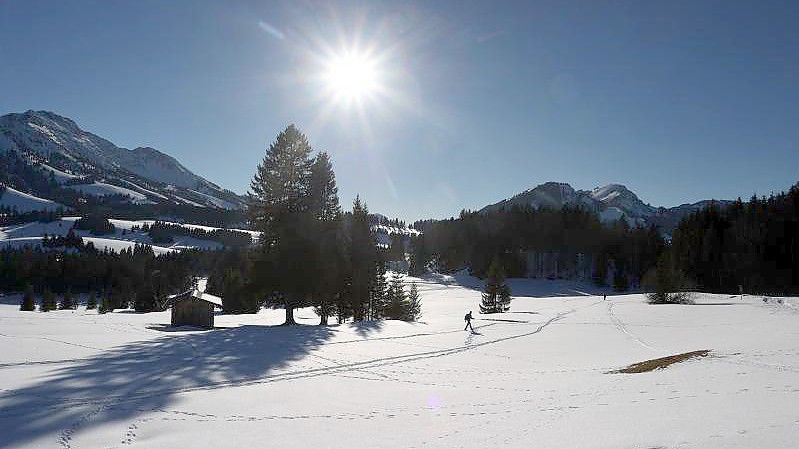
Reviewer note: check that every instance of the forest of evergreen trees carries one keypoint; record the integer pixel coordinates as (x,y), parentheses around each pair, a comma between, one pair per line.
(130,278)
(751,245)
(475,239)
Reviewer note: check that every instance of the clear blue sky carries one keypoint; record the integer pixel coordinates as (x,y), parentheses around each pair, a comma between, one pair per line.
(678,100)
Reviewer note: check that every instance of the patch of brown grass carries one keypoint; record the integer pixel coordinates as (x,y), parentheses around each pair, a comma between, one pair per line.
(663,362)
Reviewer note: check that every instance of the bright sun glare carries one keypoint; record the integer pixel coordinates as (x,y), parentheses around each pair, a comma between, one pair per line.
(351,77)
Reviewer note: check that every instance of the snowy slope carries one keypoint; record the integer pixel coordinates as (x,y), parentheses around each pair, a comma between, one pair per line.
(621,198)
(116,246)
(52,137)
(38,228)
(153,164)
(536,377)
(222,204)
(141,189)
(24,202)
(60,177)
(103,189)
(100,243)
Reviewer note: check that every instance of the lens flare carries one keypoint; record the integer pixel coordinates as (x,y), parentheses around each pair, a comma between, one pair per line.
(351,77)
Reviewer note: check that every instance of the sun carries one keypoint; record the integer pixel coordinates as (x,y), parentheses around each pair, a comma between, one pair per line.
(351,77)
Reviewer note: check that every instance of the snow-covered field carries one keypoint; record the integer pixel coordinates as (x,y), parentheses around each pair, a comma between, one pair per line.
(535,377)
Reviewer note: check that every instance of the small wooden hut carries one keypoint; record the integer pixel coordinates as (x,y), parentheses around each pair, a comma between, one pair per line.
(194,308)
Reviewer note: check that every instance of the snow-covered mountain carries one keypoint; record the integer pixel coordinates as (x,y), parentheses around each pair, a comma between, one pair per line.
(610,202)
(60,146)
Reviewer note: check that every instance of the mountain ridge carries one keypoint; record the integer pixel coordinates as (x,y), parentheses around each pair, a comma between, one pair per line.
(61,144)
(610,202)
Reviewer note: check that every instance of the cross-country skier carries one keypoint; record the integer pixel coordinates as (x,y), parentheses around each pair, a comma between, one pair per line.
(468,319)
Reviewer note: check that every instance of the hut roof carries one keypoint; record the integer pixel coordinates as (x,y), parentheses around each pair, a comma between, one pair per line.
(197,294)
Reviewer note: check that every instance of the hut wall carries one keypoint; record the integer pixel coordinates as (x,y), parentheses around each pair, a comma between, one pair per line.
(193,312)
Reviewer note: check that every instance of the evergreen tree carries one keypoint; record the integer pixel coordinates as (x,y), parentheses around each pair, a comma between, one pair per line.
(48,301)
(324,203)
(496,294)
(667,283)
(67,302)
(106,304)
(233,285)
(327,275)
(414,304)
(279,207)
(600,274)
(396,251)
(343,303)
(379,294)
(396,306)
(418,256)
(120,298)
(363,257)
(620,281)
(28,303)
(91,301)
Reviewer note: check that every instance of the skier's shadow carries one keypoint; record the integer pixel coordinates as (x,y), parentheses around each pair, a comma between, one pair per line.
(470,337)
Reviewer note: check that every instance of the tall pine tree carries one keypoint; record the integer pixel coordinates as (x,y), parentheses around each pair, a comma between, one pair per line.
(363,257)
(279,207)
(379,298)
(328,274)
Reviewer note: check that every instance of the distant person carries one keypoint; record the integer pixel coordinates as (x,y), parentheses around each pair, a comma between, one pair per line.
(604,297)
(468,319)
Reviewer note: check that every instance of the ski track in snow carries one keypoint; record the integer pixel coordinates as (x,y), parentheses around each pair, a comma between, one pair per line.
(549,405)
(622,328)
(312,372)
(65,436)
(97,406)
(334,368)
(501,390)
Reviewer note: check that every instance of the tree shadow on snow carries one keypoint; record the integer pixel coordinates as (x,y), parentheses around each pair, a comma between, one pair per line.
(364,328)
(120,384)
